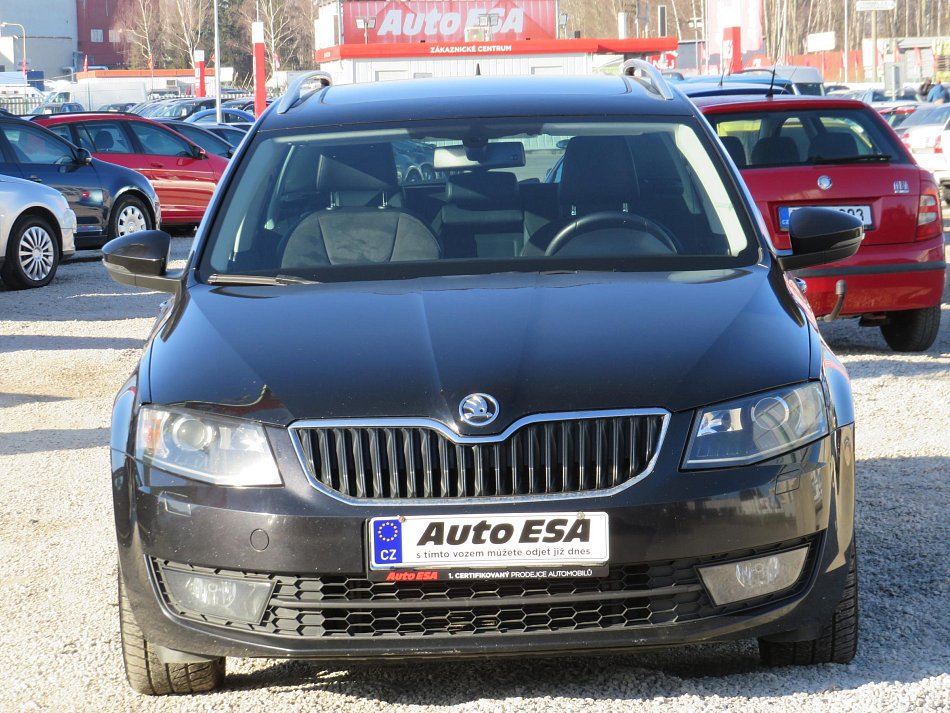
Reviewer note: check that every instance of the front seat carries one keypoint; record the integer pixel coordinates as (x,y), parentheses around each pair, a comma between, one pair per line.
(832,145)
(774,151)
(363,223)
(597,174)
(103,141)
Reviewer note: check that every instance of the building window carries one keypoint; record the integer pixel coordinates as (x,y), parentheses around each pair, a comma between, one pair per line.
(95,35)
(115,36)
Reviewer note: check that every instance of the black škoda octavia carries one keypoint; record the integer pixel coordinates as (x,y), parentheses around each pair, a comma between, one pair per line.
(560,394)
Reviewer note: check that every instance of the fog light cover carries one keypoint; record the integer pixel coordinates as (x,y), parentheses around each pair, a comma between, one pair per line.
(220,597)
(747,579)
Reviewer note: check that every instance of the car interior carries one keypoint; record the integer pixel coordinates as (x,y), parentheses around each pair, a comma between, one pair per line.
(631,194)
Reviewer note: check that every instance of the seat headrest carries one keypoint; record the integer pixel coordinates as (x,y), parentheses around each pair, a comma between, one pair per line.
(775,150)
(365,167)
(598,173)
(487,190)
(735,149)
(103,140)
(833,144)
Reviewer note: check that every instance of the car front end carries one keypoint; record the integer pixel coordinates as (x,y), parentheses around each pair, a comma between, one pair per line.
(365,431)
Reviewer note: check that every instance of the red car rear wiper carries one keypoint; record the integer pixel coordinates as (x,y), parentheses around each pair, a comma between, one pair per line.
(863,158)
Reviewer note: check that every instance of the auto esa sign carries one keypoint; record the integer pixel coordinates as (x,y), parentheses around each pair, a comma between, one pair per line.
(452,21)
(498,541)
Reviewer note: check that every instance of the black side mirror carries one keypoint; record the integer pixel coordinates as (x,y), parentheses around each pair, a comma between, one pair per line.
(821,235)
(141,259)
(84,157)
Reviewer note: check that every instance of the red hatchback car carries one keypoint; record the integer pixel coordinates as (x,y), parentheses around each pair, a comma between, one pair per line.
(839,153)
(184,175)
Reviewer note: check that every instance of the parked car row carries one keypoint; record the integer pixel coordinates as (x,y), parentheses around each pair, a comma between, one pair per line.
(118,172)
(183,174)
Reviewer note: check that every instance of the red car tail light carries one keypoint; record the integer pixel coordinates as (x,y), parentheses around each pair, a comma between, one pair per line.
(928,212)
(905,138)
(938,144)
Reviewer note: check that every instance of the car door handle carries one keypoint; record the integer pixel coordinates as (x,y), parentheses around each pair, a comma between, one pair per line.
(156,164)
(36,179)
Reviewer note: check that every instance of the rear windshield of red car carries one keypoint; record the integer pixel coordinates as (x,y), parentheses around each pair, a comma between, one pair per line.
(804,137)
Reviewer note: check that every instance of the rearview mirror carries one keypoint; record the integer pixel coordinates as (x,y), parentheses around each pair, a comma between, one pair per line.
(199,152)
(821,235)
(141,260)
(500,154)
(84,157)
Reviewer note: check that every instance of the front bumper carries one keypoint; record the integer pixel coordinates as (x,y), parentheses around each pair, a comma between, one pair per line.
(881,278)
(661,529)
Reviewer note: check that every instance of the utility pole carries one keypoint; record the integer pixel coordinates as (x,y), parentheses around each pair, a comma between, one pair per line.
(217,67)
(847,59)
(874,45)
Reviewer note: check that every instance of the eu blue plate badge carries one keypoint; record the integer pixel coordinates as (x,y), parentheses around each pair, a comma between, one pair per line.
(387,541)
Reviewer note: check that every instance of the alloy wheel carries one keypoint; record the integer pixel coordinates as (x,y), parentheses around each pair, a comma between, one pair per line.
(37,253)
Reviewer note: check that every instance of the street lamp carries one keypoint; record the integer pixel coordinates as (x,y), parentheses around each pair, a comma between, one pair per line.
(365,24)
(23,35)
(489,21)
(217,68)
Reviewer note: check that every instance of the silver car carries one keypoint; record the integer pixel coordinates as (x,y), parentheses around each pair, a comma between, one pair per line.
(37,230)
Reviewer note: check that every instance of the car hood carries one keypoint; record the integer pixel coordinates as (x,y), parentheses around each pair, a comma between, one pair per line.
(537,343)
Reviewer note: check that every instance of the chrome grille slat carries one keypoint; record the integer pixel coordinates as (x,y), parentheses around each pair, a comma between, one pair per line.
(402,459)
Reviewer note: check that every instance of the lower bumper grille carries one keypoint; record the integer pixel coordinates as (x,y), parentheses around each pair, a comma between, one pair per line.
(639,595)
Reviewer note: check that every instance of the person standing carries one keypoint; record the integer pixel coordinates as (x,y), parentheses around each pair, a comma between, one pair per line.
(938,94)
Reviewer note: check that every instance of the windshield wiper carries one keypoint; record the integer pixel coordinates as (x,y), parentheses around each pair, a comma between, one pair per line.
(866,158)
(259,280)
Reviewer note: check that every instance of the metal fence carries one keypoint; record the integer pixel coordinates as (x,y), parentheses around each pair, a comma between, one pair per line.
(19,104)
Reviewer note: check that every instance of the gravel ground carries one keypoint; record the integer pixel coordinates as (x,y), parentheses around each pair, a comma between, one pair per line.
(65,349)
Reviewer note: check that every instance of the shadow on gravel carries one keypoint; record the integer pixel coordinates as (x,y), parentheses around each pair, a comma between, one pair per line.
(76,304)
(34,342)
(43,440)
(905,633)
(8,400)
(871,368)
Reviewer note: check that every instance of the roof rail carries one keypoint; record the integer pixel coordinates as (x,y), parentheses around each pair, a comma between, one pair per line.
(293,94)
(657,84)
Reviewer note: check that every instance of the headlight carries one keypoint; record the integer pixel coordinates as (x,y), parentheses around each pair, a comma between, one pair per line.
(758,427)
(213,449)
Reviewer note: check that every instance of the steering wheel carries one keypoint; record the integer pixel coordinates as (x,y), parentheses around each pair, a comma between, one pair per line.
(605,219)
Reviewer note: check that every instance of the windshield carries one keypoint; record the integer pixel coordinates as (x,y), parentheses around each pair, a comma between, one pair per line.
(478,196)
(806,137)
(930,115)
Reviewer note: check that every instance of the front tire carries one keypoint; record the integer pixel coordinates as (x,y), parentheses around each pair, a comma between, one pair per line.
(912,330)
(32,254)
(129,215)
(838,640)
(145,671)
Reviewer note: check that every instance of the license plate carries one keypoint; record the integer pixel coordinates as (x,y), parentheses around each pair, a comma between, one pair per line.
(494,541)
(858,211)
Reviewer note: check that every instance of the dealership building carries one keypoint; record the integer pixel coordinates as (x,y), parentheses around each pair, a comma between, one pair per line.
(60,35)
(375,40)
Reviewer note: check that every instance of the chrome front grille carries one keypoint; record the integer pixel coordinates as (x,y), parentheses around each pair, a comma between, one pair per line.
(540,455)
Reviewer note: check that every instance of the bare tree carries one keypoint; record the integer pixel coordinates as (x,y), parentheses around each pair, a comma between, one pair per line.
(186,22)
(142,29)
(285,28)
